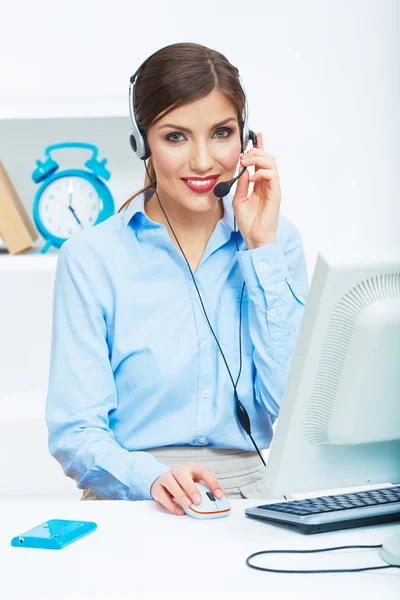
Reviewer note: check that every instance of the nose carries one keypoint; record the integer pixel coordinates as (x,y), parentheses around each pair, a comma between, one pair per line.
(201,159)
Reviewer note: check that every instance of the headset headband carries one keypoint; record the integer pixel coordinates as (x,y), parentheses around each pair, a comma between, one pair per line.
(138,140)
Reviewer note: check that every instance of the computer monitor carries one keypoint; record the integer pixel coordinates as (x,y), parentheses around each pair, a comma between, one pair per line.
(339,422)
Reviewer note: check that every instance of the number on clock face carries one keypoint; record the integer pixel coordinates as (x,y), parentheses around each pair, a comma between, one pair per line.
(69,205)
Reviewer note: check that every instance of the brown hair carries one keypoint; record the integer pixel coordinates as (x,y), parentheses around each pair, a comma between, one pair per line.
(177,75)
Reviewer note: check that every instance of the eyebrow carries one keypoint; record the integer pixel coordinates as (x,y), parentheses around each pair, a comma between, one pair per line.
(189,131)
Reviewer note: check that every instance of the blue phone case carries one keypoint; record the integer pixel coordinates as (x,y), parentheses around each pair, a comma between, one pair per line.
(54,534)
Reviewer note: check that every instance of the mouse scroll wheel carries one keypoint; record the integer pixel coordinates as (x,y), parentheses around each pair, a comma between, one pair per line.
(209,494)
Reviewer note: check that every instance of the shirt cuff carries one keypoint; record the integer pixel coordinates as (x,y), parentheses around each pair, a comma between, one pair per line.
(263,265)
(146,470)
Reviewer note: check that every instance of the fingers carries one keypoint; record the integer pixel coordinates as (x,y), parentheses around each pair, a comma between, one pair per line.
(261,161)
(179,483)
(165,499)
(209,478)
(263,174)
(260,140)
(184,475)
(258,152)
(167,487)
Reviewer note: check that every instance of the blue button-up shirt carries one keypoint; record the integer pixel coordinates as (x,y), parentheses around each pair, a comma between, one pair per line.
(134,364)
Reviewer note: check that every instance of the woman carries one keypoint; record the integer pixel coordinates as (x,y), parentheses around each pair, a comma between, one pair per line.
(140,403)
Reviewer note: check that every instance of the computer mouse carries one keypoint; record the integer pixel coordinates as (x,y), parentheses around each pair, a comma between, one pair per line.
(390,551)
(210,507)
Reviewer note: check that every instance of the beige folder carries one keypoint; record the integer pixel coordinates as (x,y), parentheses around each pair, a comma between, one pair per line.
(16,228)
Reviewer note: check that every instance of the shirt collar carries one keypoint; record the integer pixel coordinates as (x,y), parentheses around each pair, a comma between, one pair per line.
(137,206)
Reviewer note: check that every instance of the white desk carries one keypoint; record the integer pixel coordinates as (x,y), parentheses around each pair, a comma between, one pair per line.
(141,551)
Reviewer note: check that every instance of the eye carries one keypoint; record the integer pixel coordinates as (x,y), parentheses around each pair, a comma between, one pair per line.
(176,133)
(227,129)
(168,137)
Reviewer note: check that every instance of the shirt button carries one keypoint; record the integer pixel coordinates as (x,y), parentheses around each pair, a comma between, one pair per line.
(263,265)
(206,393)
(272,312)
(202,440)
(206,343)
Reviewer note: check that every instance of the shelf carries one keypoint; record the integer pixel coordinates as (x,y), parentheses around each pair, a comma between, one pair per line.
(103,107)
(31,260)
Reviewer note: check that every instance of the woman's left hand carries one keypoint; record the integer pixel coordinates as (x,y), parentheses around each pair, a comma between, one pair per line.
(257,215)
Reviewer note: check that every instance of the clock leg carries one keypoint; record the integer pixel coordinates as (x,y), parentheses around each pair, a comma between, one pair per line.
(45,247)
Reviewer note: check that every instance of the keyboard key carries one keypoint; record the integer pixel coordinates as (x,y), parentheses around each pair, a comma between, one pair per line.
(325,504)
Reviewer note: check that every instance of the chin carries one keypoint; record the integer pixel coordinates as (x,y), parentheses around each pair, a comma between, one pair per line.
(201,203)
(192,199)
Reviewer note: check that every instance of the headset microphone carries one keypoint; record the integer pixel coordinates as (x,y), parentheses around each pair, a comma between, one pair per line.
(223,188)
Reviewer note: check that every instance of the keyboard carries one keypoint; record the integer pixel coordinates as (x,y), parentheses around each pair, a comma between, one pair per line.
(328,513)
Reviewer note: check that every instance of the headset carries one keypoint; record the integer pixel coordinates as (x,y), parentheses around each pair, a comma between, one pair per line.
(138,142)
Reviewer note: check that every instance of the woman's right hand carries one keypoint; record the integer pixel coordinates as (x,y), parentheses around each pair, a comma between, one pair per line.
(179,483)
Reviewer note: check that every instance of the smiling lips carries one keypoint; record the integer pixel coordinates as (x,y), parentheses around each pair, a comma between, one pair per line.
(201,186)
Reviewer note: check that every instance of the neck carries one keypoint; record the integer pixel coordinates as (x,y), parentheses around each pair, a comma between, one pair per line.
(193,229)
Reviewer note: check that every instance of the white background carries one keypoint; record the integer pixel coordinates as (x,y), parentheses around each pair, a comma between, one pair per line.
(322,81)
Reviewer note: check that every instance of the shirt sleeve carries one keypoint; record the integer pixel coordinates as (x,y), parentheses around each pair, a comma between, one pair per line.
(82,392)
(277,282)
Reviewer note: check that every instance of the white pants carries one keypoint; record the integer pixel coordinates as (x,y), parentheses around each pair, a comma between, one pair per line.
(239,471)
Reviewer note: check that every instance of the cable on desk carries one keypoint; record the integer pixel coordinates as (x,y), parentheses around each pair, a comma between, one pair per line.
(317,550)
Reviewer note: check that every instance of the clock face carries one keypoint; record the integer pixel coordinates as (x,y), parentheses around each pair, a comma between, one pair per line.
(69,204)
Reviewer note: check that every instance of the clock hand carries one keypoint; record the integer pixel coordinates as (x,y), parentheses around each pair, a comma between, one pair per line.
(70,191)
(74,213)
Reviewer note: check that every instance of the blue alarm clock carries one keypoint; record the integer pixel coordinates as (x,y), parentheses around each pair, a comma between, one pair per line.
(71,200)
